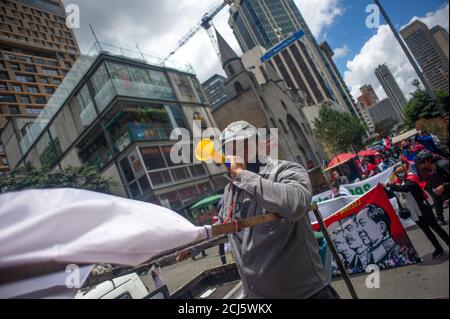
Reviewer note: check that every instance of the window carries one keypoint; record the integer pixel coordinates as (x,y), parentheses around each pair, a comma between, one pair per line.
(160,178)
(31,69)
(49,71)
(44,81)
(48,150)
(56,81)
(25,99)
(32,89)
(17,88)
(231,70)
(126,170)
(14,110)
(7,98)
(180,174)
(5,161)
(49,90)
(197,170)
(41,100)
(33,111)
(283,127)
(3,87)
(25,78)
(2,148)
(4,76)
(14,66)
(238,87)
(153,158)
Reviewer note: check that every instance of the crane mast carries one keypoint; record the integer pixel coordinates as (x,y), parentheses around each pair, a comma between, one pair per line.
(205,23)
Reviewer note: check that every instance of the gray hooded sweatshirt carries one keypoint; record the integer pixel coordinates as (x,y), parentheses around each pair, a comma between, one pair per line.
(279,260)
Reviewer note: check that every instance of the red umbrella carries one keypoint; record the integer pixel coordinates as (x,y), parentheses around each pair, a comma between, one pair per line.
(367,153)
(340,159)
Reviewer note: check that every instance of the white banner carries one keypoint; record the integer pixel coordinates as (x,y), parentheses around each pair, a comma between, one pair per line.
(329,207)
(359,188)
(82,227)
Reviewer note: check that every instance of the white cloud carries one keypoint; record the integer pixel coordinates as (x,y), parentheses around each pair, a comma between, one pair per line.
(439,16)
(342,52)
(156,26)
(383,48)
(320,14)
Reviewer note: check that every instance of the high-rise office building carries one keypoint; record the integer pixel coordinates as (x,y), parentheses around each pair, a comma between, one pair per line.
(428,53)
(37,49)
(441,37)
(393,91)
(216,91)
(269,22)
(382,111)
(368,96)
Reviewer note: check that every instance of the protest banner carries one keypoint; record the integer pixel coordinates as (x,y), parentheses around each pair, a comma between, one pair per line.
(368,232)
(359,188)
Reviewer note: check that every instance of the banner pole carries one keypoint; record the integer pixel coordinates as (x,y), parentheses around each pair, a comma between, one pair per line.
(338,260)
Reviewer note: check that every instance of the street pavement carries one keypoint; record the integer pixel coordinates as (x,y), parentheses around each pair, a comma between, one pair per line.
(428,280)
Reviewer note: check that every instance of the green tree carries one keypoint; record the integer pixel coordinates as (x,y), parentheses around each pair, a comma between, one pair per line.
(421,105)
(339,131)
(28,177)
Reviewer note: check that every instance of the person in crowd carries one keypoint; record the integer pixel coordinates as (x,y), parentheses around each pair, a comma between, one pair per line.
(385,164)
(416,203)
(434,171)
(410,150)
(338,191)
(341,179)
(429,141)
(371,167)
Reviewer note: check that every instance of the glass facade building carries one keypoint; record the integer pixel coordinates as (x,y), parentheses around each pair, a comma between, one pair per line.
(118,114)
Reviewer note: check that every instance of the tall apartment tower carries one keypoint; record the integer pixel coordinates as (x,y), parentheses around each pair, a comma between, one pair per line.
(368,96)
(392,89)
(37,49)
(429,53)
(441,37)
(267,23)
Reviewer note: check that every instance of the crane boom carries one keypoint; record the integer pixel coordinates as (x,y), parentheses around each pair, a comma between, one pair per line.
(205,23)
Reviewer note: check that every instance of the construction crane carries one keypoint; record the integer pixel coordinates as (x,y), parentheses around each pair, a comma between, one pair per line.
(204,23)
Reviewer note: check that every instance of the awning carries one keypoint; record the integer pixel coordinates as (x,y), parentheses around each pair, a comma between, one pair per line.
(210,200)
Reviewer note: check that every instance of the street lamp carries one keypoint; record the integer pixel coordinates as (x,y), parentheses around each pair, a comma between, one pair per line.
(411,59)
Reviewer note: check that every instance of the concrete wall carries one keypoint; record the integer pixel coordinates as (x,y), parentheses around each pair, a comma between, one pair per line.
(116,186)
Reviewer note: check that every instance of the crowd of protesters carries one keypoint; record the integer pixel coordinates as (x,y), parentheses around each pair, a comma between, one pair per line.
(420,179)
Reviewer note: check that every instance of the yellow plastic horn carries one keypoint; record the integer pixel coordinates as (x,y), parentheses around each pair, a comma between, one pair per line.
(205,151)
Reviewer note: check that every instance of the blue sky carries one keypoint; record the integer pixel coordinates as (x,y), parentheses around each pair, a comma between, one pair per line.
(350,29)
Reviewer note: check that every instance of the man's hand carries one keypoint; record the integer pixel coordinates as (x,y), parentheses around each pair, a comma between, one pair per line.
(185,254)
(440,190)
(235,167)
